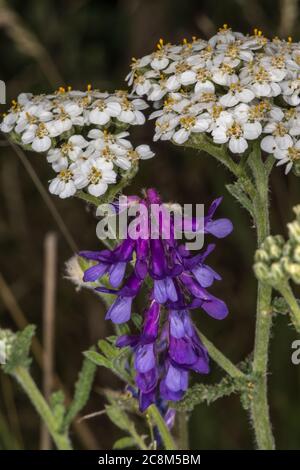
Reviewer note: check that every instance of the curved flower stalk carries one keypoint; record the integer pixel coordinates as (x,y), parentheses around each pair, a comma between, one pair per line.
(85,135)
(176,281)
(233,88)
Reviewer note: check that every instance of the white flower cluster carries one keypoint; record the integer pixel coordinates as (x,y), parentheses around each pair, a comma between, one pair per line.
(84,135)
(235,88)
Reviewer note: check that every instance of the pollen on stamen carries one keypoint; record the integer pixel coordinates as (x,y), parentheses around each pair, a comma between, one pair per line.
(160,44)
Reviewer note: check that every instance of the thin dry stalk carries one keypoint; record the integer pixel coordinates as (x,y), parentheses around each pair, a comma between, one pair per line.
(50,267)
(48,201)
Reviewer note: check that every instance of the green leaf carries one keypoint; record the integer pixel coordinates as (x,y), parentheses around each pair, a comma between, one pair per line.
(19,353)
(97,359)
(108,350)
(57,405)
(118,417)
(236,190)
(82,390)
(137,320)
(124,443)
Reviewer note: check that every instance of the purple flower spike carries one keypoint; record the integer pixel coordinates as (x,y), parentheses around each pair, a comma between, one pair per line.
(174,384)
(174,281)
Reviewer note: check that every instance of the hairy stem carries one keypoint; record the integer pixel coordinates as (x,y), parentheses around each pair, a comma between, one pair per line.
(260,409)
(25,380)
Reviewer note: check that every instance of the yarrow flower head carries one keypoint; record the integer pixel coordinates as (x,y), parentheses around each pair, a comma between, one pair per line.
(234,88)
(85,135)
(175,282)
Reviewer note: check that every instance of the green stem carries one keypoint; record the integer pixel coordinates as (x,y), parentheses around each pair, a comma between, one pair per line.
(25,380)
(220,359)
(164,432)
(260,409)
(183,431)
(290,299)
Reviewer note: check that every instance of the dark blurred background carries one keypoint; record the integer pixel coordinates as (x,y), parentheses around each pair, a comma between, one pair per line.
(45,44)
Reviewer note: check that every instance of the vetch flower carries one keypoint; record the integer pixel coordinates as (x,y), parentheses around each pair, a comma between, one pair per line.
(174,281)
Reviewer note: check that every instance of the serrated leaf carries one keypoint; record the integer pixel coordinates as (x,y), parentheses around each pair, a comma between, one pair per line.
(97,359)
(237,192)
(82,390)
(124,443)
(108,350)
(19,353)
(57,405)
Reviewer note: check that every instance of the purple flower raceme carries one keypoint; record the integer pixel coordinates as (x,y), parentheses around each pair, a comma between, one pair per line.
(168,347)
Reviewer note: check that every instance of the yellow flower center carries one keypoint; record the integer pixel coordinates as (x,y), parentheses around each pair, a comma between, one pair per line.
(107,154)
(95,175)
(235,130)
(66,148)
(216,111)
(133,155)
(261,76)
(293,154)
(65,175)
(280,130)
(187,122)
(41,131)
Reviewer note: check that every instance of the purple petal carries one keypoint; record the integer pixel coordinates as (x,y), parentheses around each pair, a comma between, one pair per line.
(151,324)
(146,399)
(170,417)
(177,327)
(120,311)
(94,272)
(117,273)
(124,251)
(132,286)
(182,351)
(220,228)
(144,358)
(127,340)
(215,307)
(171,290)
(168,394)
(205,275)
(147,381)
(158,259)
(213,207)
(160,291)
(176,379)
